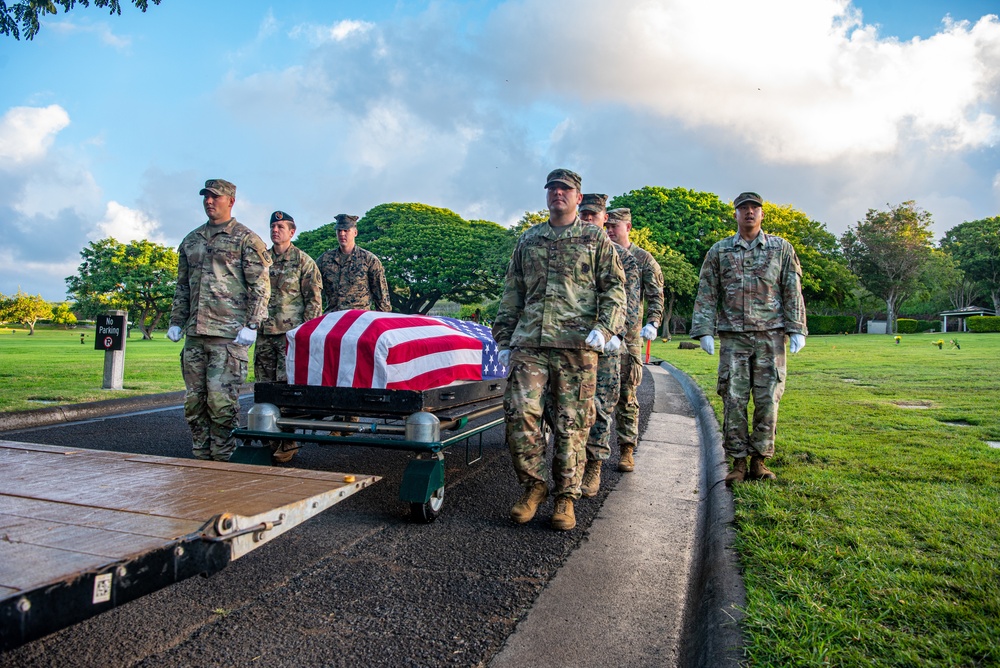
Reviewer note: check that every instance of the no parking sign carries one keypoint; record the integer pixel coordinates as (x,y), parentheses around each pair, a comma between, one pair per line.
(110,334)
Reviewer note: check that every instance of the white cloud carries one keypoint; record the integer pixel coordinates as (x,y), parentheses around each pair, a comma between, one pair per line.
(102,30)
(126,225)
(337,32)
(26,133)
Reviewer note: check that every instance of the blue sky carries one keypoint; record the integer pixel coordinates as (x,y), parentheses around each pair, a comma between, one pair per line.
(109,125)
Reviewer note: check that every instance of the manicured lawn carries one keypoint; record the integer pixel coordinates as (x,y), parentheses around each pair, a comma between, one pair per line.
(879,544)
(51,367)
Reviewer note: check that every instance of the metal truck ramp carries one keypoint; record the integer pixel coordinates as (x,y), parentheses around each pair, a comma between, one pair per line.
(82,531)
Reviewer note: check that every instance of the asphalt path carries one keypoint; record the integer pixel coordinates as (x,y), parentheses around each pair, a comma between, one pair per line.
(357,585)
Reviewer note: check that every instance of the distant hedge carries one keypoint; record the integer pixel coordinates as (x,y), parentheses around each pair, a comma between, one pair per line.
(983,324)
(831,324)
(906,326)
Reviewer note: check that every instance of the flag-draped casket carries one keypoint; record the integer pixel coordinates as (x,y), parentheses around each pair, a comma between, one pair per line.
(371,349)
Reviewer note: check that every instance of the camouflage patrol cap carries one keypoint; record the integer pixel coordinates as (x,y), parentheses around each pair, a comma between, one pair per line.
(218,187)
(281,215)
(594,202)
(622,215)
(743,198)
(565,177)
(346,221)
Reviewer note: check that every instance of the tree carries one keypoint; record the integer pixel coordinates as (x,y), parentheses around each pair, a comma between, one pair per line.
(28,13)
(138,277)
(529,219)
(63,314)
(25,309)
(428,254)
(687,221)
(826,277)
(975,245)
(888,251)
(680,278)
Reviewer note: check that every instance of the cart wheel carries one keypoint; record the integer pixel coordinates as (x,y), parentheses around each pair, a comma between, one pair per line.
(428,511)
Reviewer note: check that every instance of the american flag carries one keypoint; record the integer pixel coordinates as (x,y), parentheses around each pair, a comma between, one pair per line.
(491,365)
(388,350)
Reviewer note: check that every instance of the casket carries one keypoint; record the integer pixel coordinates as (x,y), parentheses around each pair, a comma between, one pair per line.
(371,349)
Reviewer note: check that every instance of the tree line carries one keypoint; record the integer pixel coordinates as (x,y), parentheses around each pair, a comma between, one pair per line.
(886,261)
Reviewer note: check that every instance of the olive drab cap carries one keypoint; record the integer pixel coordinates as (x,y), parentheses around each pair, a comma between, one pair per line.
(594,202)
(281,215)
(565,177)
(218,187)
(346,221)
(743,198)
(622,215)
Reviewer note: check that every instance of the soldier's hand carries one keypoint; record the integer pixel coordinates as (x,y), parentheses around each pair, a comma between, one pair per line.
(649,331)
(613,345)
(796,342)
(174,334)
(708,344)
(595,340)
(245,337)
(503,357)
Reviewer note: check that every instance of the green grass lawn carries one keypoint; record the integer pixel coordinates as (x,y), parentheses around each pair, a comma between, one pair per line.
(879,544)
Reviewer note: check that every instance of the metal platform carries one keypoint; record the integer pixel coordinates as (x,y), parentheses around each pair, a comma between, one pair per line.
(82,531)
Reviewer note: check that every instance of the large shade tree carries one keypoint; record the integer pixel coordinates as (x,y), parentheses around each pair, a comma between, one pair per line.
(26,14)
(428,253)
(975,246)
(138,277)
(888,251)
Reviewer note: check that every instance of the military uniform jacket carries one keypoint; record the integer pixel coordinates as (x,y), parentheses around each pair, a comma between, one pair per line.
(296,291)
(749,287)
(222,281)
(633,290)
(353,280)
(652,290)
(561,284)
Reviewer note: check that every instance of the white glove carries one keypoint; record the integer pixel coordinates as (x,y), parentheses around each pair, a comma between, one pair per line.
(613,345)
(174,334)
(245,337)
(595,340)
(796,342)
(504,357)
(708,344)
(649,331)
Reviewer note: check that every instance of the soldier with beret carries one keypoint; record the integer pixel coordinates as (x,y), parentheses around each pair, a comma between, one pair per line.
(353,278)
(593,211)
(651,290)
(219,303)
(563,300)
(296,296)
(750,291)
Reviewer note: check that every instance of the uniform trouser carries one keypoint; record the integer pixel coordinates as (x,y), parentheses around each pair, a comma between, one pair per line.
(627,408)
(269,358)
(213,368)
(609,378)
(751,363)
(566,380)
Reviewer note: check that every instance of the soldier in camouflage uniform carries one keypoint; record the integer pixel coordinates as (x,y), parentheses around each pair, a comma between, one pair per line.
(296,296)
(750,290)
(563,299)
(627,411)
(593,210)
(220,301)
(353,278)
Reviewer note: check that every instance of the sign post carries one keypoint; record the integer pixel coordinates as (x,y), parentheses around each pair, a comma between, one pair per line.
(109,336)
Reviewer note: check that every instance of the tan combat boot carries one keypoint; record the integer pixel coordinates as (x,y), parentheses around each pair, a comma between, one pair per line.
(527,505)
(626,464)
(758,471)
(591,479)
(284,452)
(739,472)
(563,519)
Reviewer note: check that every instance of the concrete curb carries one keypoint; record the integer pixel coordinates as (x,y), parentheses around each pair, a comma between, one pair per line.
(717,597)
(44,417)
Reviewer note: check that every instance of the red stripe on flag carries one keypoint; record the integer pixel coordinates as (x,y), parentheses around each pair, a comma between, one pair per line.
(302,336)
(438,377)
(404,352)
(332,344)
(364,368)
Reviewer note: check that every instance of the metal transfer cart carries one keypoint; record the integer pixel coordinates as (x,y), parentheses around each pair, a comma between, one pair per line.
(408,420)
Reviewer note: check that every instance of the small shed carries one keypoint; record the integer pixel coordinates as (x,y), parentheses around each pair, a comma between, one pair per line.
(962,314)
